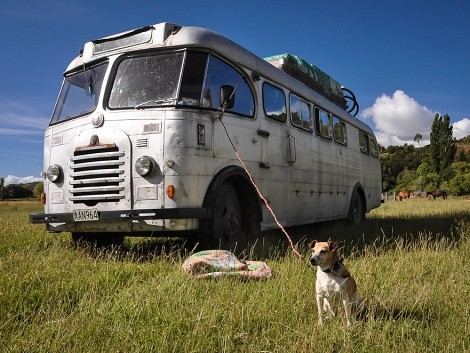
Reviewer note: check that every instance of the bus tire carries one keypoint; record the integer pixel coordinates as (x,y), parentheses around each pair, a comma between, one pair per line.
(227,222)
(357,213)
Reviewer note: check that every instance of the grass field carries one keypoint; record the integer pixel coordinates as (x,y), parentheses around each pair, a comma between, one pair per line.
(410,259)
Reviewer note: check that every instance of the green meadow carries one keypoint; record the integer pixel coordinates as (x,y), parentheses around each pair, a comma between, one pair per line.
(410,260)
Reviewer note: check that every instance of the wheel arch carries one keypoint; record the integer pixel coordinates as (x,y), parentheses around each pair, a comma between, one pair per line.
(249,200)
(360,189)
(357,189)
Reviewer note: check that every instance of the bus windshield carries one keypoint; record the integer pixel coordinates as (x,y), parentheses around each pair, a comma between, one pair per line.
(146,81)
(80,93)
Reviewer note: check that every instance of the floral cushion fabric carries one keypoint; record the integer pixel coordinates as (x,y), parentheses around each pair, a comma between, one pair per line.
(219,263)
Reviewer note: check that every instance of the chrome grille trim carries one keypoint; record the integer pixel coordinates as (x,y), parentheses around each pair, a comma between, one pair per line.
(94,172)
(100,198)
(95,180)
(84,190)
(102,155)
(97,175)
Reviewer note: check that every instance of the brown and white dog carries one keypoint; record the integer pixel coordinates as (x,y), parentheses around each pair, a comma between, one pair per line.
(334,283)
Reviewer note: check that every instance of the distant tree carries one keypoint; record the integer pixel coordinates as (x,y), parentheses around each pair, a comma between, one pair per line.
(465,140)
(395,159)
(2,180)
(407,180)
(418,138)
(442,147)
(460,183)
(38,189)
(427,178)
(462,156)
(16,191)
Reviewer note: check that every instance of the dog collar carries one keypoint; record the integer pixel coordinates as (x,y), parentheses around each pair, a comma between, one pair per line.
(335,269)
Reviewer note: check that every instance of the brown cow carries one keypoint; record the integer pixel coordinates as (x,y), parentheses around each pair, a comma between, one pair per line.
(404,195)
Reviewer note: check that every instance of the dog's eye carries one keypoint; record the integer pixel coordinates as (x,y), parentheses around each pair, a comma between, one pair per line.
(322,251)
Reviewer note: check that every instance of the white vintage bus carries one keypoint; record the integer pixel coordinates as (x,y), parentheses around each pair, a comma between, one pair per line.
(135,145)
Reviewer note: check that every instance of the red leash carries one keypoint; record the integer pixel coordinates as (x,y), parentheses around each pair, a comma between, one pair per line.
(294,250)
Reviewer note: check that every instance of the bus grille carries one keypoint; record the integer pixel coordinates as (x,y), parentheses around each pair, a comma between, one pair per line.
(97,175)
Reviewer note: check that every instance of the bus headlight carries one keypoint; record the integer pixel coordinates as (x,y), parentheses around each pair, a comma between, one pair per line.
(54,173)
(144,165)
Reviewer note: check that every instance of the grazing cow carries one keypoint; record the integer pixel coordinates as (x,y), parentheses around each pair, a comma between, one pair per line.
(437,193)
(404,195)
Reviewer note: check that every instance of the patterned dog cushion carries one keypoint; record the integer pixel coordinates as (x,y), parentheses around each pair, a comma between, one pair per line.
(222,263)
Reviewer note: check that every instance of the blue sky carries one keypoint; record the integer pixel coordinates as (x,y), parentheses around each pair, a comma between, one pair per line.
(404,60)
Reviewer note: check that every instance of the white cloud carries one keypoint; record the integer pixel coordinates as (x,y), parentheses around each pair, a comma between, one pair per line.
(461,128)
(11,179)
(399,118)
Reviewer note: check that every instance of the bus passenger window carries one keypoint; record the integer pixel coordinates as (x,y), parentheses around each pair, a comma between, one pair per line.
(364,142)
(274,102)
(300,112)
(322,123)
(220,73)
(374,150)
(339,131)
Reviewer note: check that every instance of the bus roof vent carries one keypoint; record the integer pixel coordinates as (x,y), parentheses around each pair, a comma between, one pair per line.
(310,75)
(156,34)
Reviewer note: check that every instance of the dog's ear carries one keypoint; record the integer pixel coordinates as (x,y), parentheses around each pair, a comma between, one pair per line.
(312,244)
(332,245)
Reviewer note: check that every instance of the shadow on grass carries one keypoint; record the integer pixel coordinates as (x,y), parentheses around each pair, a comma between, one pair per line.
(375,311)
(274,244)
(380,231)
(139,249)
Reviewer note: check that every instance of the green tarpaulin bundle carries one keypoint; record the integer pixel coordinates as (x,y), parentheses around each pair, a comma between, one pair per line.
(310,75)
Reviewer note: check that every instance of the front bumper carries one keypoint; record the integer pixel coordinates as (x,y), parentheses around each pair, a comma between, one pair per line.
(129,215)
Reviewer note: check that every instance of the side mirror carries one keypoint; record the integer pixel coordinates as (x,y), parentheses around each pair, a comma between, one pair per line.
(227,96)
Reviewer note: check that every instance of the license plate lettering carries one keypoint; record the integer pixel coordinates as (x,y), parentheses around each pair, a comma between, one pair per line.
(85,215)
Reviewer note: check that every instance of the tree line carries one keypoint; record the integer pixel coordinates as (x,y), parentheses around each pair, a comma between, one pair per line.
(20,191)
(443,164)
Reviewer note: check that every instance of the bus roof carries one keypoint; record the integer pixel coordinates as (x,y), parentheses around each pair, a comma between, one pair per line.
(167,34)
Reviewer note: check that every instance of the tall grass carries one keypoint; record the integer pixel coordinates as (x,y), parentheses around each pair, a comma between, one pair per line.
(410,261)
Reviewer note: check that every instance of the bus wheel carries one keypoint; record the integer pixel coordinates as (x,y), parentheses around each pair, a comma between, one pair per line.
(357,212)
(227,225)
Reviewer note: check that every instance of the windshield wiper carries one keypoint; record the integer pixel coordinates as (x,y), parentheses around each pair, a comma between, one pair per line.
(156,102)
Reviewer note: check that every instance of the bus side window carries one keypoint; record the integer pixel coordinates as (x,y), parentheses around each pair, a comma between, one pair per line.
(300,113)
(274,102)
(219,73)
(364,142)
(193,78)
(322,123)
(339,131)
(374,150)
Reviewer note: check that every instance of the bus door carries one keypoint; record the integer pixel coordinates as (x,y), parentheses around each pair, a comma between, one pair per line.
(341,151)
(276,161)
(242,133)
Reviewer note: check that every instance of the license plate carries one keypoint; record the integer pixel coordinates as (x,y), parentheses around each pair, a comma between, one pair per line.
(85,215)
